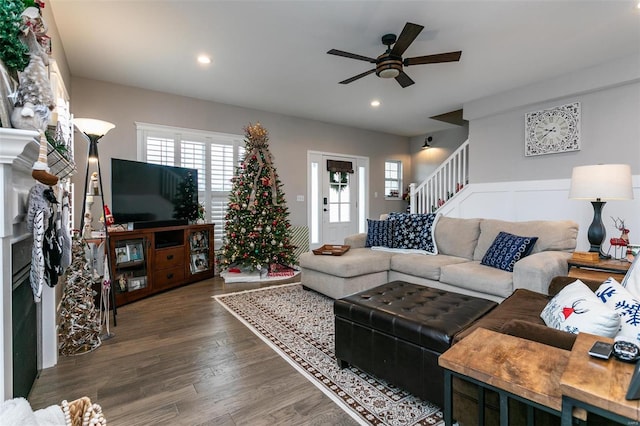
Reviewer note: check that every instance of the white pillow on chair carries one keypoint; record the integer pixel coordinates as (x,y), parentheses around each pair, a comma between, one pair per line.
(626,305)
(577,309)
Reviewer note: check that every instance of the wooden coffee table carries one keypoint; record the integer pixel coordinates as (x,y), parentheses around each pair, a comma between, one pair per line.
(597,385)
(513,367)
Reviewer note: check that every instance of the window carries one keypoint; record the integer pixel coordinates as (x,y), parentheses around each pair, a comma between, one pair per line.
(393,179)
(214,155)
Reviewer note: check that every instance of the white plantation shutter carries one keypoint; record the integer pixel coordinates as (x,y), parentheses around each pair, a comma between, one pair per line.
(193,155)
(222,167)
(160,150)
(217,211)
(214,155)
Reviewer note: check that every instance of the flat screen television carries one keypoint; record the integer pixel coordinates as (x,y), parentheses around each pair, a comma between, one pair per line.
(144,194)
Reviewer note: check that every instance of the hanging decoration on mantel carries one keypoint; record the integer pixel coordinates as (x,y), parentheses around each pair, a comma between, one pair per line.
(257,225)
(41,167)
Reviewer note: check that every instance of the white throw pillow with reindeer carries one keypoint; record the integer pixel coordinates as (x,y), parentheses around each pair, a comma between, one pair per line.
(577,309)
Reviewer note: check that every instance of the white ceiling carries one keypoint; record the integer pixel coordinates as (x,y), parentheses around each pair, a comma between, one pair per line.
(271,55)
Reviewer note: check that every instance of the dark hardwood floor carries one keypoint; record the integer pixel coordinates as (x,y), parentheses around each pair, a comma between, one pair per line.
(179,358)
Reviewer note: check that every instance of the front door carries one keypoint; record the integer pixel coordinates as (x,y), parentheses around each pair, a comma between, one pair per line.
(339,201)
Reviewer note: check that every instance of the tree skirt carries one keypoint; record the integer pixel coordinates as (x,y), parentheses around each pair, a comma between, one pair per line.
(299,325)
(255,276)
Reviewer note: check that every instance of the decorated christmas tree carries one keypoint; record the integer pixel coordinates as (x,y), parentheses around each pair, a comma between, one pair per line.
(257,224)
(185,205)
(79,319)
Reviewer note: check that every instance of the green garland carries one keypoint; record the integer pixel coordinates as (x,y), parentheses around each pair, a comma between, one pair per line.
(13,52)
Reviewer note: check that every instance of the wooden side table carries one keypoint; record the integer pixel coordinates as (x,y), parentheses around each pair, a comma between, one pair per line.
(600,270)
(513,367)
(597,385)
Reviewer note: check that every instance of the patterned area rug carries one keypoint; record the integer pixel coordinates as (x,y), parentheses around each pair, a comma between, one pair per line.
(299,325)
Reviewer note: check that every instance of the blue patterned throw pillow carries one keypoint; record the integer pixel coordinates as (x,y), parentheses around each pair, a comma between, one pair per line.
(379,233)
(414,231)
(506,250)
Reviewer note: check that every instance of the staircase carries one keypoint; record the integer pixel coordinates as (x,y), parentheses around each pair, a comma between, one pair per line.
(443,184)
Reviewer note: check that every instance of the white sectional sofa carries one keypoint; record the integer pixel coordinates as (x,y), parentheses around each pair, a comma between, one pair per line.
(461,245)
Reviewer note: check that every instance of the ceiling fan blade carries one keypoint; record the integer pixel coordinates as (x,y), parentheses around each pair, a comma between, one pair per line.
(404,80)
(351,55)
(354,78)
(434,59)
(408,34)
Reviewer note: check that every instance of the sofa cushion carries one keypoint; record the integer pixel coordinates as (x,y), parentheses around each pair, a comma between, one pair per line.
(414,231)
(552,234)
(474,276)
(619,299)
(379,233)
(457,237)
(353,263)
(577,309)
(523,304)
(427,267)
(506,250)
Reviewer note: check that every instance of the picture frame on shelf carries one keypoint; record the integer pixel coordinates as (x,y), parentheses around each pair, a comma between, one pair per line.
(135,252)
(121,284)
(199,240)
(122,255)
(199,262)
(136,283)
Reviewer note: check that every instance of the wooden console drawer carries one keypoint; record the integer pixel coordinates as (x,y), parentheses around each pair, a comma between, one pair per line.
(167,278)
(169,258)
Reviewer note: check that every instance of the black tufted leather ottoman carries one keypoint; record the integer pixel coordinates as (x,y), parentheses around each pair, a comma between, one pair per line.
(396,331)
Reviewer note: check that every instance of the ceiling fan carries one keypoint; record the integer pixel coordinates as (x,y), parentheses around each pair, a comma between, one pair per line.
(390,63)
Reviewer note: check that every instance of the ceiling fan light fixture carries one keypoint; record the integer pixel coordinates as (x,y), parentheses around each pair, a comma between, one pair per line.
(388,66)
(388,73)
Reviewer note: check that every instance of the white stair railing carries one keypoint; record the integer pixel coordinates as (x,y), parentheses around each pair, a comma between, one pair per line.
(443,184)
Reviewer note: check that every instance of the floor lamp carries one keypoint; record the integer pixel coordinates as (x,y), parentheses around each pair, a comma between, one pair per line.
(93,130)
(599,184)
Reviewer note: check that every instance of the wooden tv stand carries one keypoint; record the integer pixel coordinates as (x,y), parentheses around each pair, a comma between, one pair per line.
(147,261)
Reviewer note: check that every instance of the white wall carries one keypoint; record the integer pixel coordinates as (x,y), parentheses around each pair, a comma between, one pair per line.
(544,200)
(610,128)
(507,185)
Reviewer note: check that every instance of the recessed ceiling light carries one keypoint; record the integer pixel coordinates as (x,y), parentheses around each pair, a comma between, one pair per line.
(204,59)
(375,103)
